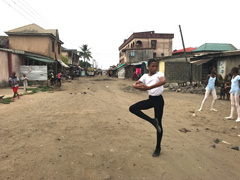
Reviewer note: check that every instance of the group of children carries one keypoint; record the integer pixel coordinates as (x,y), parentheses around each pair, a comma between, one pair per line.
(14,83)
(153,83)
(231,87)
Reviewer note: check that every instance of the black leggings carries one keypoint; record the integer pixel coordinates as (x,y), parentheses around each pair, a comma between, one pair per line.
(155,102)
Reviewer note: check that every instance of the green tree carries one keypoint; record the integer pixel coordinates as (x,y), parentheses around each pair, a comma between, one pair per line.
(64,59)
(85,53)
(84,64)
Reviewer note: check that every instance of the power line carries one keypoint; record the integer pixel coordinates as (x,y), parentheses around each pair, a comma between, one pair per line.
(32,12)
(17,11)
(26,12)
(36,12)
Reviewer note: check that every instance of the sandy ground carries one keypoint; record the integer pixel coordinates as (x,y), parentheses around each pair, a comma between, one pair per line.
(69,135)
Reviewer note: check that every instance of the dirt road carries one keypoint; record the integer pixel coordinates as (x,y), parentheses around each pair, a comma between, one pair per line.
(70,135)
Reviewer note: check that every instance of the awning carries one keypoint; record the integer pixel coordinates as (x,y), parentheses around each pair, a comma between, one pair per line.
(139,63)
(201,61)
(63,64)
(120,66)
(41,59)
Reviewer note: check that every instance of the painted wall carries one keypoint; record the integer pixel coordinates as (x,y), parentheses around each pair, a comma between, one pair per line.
(36,44)
(4,70)
(4,76)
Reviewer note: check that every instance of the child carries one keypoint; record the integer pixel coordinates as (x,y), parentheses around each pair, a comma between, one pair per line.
(153,83)
(222,86)
(59,77)
(234,93)
(227,80)
(25,82)
(14,83)
(211,82)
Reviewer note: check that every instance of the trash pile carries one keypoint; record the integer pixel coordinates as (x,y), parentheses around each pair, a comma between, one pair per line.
(195,88)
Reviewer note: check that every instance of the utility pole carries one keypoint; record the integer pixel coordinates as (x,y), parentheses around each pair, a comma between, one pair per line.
(190,69)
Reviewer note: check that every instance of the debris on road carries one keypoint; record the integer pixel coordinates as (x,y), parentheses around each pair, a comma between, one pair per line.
(225,142)
(184,130)
(216,141)
(235,148)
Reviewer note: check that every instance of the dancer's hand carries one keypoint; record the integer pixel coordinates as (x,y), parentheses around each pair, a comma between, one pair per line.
(142,87)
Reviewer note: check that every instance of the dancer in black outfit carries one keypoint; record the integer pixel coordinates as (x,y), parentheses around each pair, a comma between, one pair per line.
(153,83)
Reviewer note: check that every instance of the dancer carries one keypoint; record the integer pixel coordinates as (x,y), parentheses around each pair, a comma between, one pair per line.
(14,83)
(234,94)
(211,82)
(153,83)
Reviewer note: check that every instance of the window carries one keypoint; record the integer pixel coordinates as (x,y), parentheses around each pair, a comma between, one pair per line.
(139,44)
(133,44)
(154,55)
(53,47)
(132,53)
(59,48)
(154,43)
(162,54)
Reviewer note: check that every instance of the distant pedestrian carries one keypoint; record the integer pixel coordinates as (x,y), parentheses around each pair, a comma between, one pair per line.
(52,78)
(25,82)
(59,78)
(14,83)
(227,87)
(234,94)
(211,82)
(153,83)
(222,86)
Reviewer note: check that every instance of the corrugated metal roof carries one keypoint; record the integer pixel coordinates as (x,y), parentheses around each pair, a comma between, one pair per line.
(214,47)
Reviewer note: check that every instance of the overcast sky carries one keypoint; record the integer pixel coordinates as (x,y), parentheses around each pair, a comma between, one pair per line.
(104,24)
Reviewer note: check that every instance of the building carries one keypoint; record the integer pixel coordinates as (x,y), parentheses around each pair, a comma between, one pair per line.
(35,39)
(30,45)
(145,45)
(213,48)
(72,55)
(223,61)
(199,60)
(176,69)
(3,41)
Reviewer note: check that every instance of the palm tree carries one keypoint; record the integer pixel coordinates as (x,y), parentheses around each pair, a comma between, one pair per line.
(85,53)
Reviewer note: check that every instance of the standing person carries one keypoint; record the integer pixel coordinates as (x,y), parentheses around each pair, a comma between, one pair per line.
(52,78)
(59,78)
(211,83)
(153,83)
(222,86)
(25,82)
(234,94)
(227,80)
(14,83)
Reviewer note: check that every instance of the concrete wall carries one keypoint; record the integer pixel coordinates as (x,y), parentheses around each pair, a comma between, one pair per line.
(36,44)
(178,71)
(140,55)
(4,75)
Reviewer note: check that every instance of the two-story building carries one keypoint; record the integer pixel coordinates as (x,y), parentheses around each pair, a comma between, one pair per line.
(72,55)
(145,45)
(33,38)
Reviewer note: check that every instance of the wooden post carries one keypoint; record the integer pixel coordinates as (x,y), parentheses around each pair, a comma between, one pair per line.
(190,70)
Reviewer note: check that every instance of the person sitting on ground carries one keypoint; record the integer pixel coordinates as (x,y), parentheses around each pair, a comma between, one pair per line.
(14,83)
(222,86)
(25,82)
